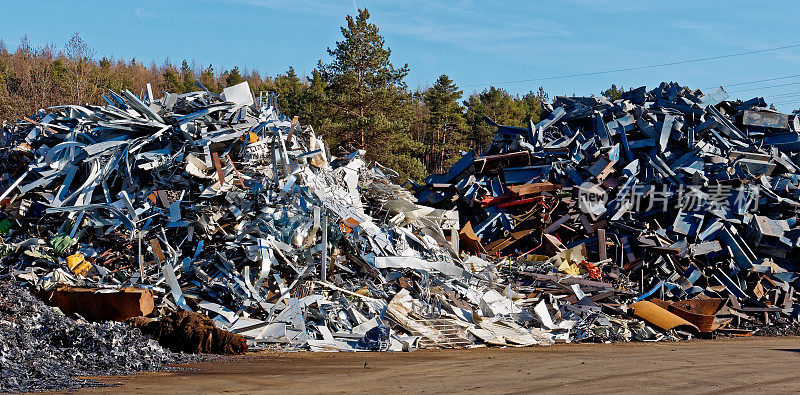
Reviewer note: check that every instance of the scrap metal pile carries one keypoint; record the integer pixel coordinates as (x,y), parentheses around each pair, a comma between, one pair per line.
(686,199)
(220,204)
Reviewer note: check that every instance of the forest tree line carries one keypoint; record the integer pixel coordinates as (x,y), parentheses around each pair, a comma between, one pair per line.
(356,98)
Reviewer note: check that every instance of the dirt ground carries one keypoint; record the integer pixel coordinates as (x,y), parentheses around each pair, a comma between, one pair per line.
(699,366)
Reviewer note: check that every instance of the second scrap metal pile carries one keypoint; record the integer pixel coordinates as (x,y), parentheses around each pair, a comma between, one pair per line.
(220,204)
(674,194)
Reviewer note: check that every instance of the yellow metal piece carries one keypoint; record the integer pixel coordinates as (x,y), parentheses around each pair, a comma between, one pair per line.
(253,138)
(78,265)
(569,268)
(250,138)
(536,258)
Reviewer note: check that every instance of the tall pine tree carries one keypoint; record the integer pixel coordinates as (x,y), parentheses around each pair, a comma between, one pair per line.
(187,78)
(445,124)
(291,90)
(369,99)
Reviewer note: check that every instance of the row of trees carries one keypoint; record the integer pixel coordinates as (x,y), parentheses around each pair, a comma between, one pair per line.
(355,99)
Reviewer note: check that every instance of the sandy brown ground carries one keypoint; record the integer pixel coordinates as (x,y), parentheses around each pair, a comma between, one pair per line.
(701,366)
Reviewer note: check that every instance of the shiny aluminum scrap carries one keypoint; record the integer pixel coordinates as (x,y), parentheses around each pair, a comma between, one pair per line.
(221,204)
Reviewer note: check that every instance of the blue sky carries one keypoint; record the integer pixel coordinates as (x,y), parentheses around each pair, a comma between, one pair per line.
(477,43)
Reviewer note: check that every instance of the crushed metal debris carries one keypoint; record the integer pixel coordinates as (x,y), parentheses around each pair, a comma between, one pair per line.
(41,349)
(664,215)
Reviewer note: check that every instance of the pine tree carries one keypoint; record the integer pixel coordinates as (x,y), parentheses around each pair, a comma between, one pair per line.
(369,98)
(613,92)
(532,104)
(291,90)
(314,109)
(171,83)
(187,78)
(446,123)
(233,77)
(497,104)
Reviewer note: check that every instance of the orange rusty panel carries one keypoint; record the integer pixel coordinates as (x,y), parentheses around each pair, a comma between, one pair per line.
(348,225)
(660,317)
(96,305)
(157,250)
(469,241)
(500,244)
(699,312)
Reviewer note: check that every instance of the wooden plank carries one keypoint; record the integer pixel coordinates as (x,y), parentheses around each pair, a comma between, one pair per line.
(157,250)
(218,166)
(601,244)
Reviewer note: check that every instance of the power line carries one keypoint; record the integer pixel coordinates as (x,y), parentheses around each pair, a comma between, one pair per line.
(791,107)
(786,101)
(765,87)
(782,95)
(638,67)
(755,82)
(787,98)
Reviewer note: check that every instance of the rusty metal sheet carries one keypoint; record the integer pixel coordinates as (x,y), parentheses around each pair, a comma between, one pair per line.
(102,305)
(661,317)
(700,312)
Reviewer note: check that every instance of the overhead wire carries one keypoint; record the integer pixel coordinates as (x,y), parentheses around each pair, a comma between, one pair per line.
(638,67)
(786,101)
(755,82)
(765,87)
(785,94)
